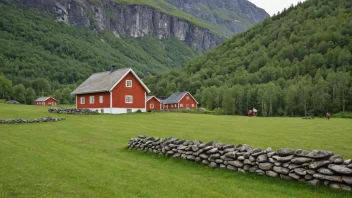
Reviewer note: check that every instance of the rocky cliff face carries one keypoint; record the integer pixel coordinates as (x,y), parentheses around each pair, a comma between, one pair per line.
(130,20)
(235,15)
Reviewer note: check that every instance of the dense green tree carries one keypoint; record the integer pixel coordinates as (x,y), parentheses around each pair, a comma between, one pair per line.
(41,86)
(19,93)
(5,87)
(228,103)
(30,95)
(57,95)
(66,97)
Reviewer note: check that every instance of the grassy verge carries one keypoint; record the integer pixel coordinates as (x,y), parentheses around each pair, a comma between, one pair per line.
(85,155)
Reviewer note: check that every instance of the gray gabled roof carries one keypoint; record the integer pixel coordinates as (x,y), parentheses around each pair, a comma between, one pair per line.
(104,81)
(43,99)
(150,97)
(176,97)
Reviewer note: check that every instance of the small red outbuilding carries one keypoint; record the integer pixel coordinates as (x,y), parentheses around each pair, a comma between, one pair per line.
(153,104)
(180,100)
(46,101)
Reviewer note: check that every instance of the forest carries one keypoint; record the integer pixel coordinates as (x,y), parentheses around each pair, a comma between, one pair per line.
(295,63)
(37,51)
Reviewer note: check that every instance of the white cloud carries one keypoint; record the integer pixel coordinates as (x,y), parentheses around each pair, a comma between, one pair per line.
(274,6)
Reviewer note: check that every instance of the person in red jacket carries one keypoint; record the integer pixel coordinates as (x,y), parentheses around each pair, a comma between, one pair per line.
(250,113)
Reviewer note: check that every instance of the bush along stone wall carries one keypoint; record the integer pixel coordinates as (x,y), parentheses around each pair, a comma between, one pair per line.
(317,167)
(20,120)
(71,111)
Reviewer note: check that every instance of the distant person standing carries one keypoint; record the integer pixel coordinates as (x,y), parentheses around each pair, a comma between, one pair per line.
(327,116)
(255,112)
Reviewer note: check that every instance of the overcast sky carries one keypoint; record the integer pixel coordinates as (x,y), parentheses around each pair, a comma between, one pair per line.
(273,6)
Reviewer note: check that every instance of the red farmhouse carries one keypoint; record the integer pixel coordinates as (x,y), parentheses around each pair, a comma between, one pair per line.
(153,104)
(180,100)
(46,101)
(114,92)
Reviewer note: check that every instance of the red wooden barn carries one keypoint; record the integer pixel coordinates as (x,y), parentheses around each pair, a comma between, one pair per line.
(116,91)
(46,101)
(153,104)
(180,100)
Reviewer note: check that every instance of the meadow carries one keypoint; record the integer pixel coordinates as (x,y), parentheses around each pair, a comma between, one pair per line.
(86,155)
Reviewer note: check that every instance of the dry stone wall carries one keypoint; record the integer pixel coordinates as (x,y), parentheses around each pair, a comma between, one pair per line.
(317,167)
(21,120)
(71,111)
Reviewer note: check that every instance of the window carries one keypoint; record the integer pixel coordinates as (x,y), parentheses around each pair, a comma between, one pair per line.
(128,83)
(83,100)
(187,106)
(101,110)
(187,97)
(175,105)
(128,99)
(129,110)
(100,99)
(152,106)
(192,105)
(91,99)
(181,105)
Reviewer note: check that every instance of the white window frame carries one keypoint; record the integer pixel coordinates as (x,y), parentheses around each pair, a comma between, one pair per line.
(175,105)
(127,83)
(91,99)
(126,99)
(181,105)
(192,105)
(187,106)
(83,100)
(101,99)
(187,97)
(151,106)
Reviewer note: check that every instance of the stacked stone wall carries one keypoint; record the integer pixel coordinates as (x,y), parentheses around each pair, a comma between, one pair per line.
(21,120)
(71,111)
(317,167)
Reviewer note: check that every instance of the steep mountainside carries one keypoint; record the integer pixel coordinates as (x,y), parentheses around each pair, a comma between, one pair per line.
(34,46)
(139,18)
(235,15)
(295,63)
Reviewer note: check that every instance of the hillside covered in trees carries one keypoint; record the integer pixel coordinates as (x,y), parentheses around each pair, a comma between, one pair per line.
(36,49)
(298,62)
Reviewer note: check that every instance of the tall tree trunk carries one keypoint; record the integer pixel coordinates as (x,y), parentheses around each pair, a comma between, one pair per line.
(343,100)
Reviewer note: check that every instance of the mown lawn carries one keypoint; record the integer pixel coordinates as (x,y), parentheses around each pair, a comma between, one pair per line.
(86,155)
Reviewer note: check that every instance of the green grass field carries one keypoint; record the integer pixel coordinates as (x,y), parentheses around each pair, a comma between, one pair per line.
(86,155)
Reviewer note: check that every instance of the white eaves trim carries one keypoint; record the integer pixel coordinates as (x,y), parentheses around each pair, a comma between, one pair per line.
(155,98)
(190,95)
(135,75)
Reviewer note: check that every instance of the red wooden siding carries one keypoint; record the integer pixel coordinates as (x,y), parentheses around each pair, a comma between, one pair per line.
(137,91)
(192,104)
(48,102)
(155,102)
(97,104)
(171,106)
